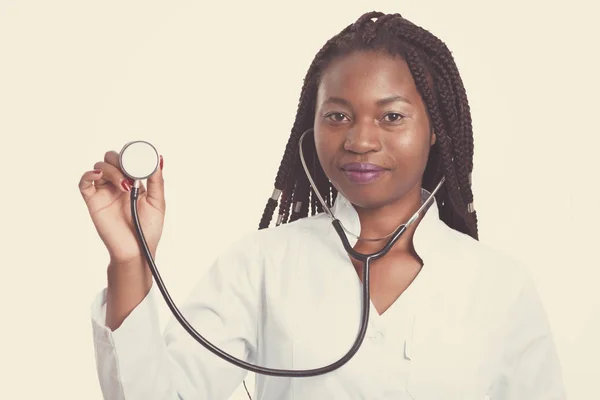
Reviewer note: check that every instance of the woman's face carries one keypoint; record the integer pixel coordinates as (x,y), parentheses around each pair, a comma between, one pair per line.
(371,129)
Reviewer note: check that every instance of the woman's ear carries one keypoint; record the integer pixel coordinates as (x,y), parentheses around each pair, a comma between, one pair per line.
(433,138)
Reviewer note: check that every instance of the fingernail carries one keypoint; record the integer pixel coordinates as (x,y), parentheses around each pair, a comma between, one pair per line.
(131,181)
(126,185)
(161,163)
(97,171)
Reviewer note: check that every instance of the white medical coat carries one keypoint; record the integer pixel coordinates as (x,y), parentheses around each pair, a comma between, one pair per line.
(470,326)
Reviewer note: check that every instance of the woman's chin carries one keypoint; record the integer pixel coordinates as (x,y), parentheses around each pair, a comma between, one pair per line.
(366,198)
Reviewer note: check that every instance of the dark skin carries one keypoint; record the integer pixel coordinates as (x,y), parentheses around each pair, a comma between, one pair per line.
(370,111)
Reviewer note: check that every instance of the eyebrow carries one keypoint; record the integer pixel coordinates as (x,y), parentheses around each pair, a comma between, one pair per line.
(392,99)
(380,102)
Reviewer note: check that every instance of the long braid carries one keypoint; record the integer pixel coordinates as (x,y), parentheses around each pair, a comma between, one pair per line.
(442,62)
(439,128)
(301,195)
(321,181)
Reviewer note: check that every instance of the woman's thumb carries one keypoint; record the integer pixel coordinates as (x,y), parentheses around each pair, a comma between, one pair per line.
(156,185)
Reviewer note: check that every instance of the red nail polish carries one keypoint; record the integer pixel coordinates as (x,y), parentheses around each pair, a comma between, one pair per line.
(161,163)
(131,181)
(126,185)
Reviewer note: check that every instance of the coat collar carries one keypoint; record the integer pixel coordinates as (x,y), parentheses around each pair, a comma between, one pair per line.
(426,234)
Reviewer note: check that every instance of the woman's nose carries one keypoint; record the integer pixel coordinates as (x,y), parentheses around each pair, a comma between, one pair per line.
(363,138)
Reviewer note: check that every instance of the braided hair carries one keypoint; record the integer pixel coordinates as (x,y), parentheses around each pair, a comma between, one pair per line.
(439,83)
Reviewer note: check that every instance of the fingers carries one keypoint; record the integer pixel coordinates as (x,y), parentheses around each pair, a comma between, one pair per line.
(108,172)
(156,187)
(112,158)
(113,175)
(86,183)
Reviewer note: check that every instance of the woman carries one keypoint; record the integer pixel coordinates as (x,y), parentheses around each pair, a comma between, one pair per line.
(451,318)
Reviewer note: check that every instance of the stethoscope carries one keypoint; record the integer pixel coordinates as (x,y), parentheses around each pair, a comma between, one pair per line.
(140,159)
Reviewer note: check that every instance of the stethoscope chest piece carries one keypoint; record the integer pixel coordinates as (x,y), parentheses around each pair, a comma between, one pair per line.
(139,160)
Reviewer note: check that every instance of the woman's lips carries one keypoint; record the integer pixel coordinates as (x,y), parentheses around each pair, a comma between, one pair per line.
(362,173)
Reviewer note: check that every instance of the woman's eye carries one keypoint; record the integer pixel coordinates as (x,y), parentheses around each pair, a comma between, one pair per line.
(393,117)
(336,117)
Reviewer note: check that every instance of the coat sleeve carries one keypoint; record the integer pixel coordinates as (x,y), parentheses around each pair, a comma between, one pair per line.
(137,361)
(534,370)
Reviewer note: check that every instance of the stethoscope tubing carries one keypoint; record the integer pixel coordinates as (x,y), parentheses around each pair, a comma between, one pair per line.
(366,259)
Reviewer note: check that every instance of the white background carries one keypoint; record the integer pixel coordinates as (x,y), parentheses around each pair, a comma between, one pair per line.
(215,88)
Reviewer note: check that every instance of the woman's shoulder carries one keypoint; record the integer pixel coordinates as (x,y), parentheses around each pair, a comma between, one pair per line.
(491,279)
(485,260)
(277,238)
(308,226)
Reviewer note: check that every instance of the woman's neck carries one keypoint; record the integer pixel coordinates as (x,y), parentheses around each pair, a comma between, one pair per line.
(380,222)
